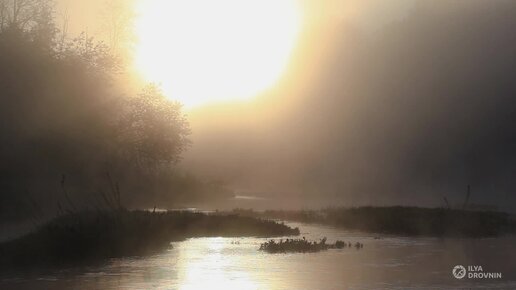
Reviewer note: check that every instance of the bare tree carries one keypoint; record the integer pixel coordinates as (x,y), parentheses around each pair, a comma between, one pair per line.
(64,27)
(117,20)
(3,14)
(24,14)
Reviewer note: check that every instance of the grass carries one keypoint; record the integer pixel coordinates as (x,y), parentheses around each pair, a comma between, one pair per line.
(98,235)
(303,246)
(406,221)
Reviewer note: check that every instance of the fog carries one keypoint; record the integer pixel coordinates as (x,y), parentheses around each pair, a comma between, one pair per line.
(402,104)
(143,137)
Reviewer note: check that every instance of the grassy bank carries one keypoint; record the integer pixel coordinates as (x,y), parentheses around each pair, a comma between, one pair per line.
(398,220)
(97,235)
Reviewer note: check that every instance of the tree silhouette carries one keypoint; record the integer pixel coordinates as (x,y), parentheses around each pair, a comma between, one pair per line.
(154,130)
(61,112)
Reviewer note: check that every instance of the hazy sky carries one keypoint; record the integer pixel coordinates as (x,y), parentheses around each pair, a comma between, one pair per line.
(404,112)
(83,14)
(371,14)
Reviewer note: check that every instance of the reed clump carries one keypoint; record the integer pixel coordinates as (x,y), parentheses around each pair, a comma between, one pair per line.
(304,246)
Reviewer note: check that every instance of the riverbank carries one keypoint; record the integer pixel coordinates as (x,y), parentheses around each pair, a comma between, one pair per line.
(98,235)
(399,220)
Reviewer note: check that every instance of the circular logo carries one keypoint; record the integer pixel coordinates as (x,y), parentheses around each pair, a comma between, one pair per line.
(459,272)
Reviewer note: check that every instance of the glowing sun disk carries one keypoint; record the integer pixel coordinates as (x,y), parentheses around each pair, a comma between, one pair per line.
(204,51)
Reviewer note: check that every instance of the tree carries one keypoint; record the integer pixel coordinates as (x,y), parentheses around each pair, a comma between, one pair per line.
(25,14)
(154,130)
(36,17)
(117,23)
(95,56)
(61,112)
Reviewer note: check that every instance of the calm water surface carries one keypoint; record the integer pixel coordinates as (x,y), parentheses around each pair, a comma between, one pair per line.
(220,263)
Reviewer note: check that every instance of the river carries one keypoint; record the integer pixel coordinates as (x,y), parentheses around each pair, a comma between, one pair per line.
(385,262)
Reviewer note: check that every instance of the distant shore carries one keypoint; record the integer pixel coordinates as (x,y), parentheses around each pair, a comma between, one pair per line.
(400,220)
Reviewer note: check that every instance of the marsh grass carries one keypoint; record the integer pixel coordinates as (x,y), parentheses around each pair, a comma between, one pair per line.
(304,246)
(97,235)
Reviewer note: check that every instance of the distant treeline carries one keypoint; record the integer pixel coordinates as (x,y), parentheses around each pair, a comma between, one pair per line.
(66,120)
(399,220)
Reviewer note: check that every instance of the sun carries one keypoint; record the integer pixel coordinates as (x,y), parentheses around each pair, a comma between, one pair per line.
(206,51)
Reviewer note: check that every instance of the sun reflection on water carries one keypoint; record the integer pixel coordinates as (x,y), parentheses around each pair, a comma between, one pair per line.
(213,270)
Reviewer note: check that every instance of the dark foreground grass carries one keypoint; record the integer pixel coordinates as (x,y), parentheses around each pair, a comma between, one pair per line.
(407,221)
(98,235)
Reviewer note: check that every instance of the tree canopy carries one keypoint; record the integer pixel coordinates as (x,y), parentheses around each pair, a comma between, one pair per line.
(60,113)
